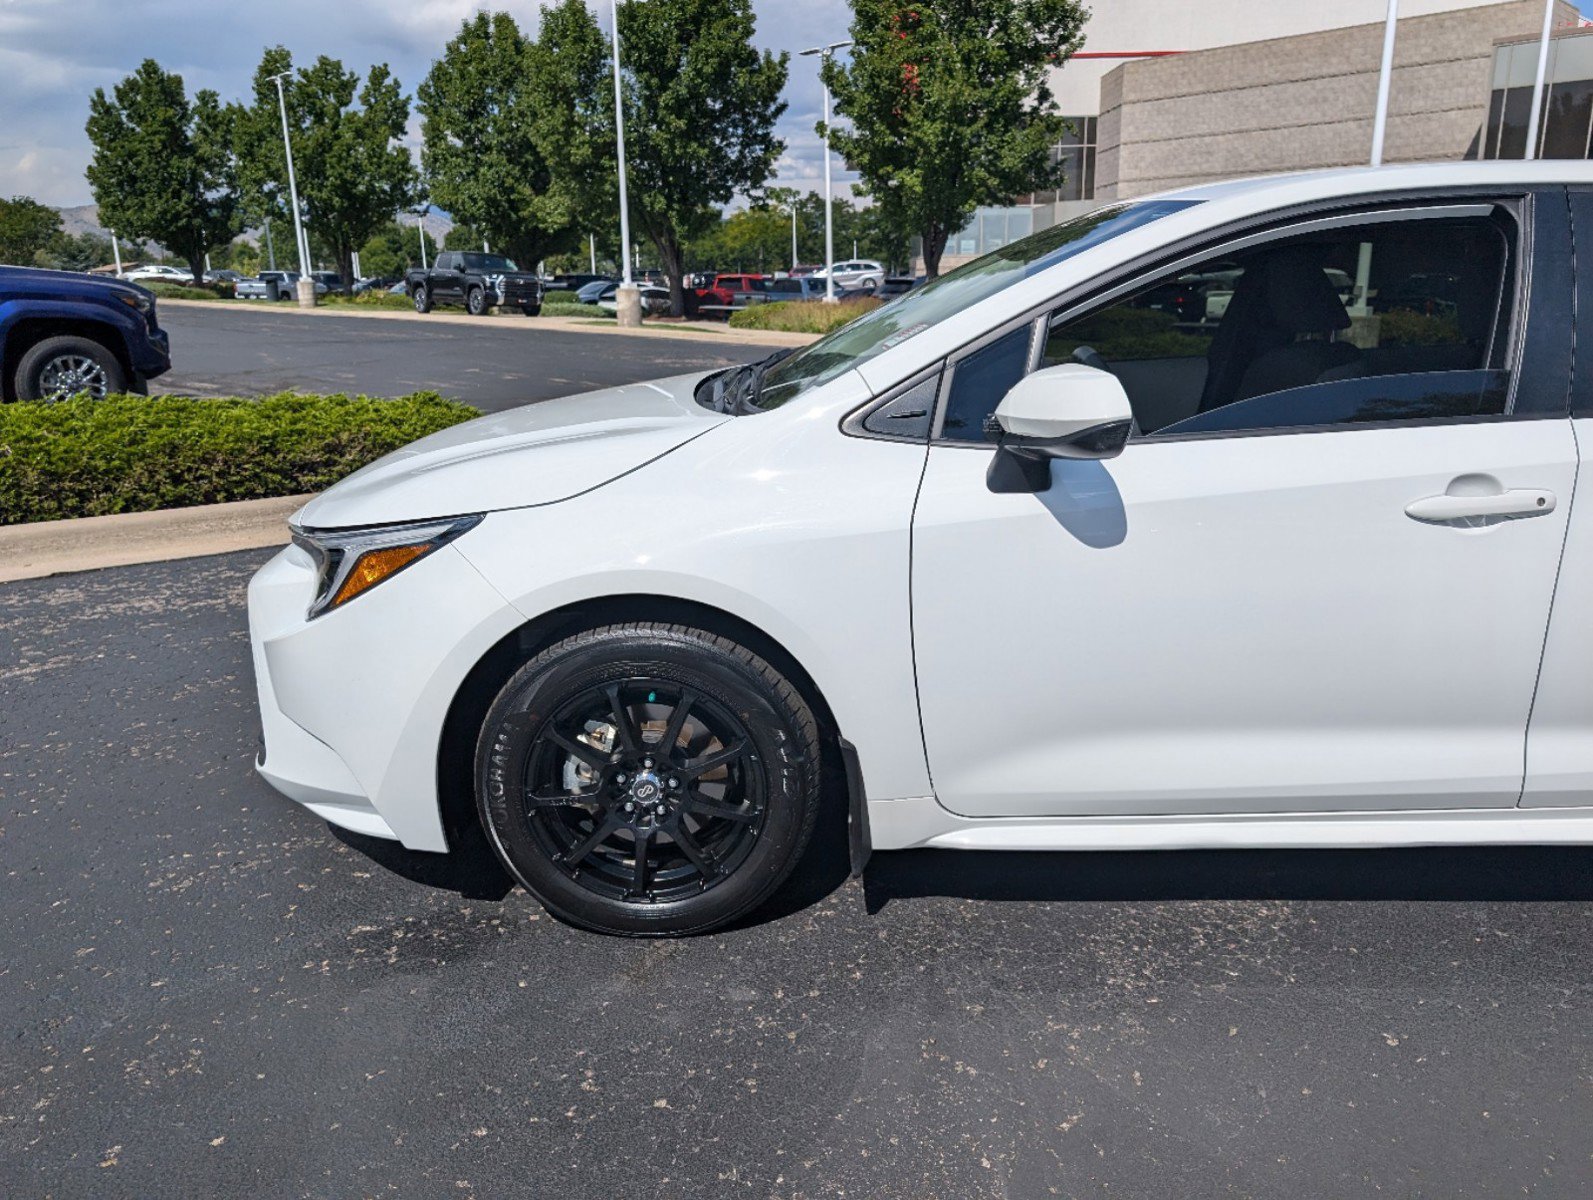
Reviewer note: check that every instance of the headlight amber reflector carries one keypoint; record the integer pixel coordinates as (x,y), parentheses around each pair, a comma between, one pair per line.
(350,562)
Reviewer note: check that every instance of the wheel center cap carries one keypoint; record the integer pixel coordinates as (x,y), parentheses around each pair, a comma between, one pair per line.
(646,788)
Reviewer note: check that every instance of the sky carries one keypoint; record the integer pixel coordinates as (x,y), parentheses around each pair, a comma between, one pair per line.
(54,53)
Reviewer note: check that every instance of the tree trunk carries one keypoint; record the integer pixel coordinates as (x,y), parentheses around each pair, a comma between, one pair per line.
(934,239)
(669,253)
(196,264)
(345,266)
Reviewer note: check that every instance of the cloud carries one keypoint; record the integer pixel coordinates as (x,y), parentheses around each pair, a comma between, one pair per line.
(53,55)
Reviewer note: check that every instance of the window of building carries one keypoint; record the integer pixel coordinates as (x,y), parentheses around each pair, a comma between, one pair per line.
(1566,123)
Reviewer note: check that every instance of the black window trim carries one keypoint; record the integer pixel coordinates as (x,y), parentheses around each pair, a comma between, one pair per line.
(1344,211)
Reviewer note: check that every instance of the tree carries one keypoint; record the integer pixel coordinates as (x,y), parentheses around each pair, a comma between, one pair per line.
(467,237)
(353,173)
(26,229)
(163,166)
(77,252)
(480,154)
(700,109)
(949,107)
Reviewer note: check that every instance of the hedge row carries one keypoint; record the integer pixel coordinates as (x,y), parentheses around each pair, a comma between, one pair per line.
(802,316)
(85,458)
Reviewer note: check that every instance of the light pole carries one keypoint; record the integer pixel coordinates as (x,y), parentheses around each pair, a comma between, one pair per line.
(793,237)
(826,53)
(420,224)
(1537,82)
(1380,118)
(627,298)
(116,252)
(306,285)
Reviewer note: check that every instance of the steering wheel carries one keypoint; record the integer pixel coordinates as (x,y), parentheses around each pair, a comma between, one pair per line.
(1089,356)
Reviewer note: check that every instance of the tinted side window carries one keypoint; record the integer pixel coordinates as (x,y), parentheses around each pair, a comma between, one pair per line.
(979,382)
(1406,303)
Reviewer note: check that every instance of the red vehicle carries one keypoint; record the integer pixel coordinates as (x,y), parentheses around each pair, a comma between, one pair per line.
(723,290)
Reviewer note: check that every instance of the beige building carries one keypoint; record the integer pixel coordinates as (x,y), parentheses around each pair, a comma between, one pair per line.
(1170,93)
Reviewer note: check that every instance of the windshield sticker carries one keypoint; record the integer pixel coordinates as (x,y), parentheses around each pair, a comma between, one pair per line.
(896,339)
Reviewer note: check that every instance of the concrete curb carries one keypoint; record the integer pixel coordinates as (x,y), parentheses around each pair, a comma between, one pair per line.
(685,331)
(89,543)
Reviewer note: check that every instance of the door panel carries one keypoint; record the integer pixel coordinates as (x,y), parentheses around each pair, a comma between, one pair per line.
(1237,624)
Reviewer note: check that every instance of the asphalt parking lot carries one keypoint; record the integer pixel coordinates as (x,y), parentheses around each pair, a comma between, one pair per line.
(493,365)
(204,991)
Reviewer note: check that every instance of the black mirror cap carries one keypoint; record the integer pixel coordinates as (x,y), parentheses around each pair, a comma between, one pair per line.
(1023,464)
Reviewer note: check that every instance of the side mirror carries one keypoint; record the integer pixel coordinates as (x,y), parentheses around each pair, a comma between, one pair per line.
(1070,411)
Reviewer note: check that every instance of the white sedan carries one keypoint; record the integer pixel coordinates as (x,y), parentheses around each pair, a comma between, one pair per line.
(1017,561)
(862,273)
(156,272)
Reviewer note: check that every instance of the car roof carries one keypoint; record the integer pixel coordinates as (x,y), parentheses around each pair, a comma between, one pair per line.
(1347,181)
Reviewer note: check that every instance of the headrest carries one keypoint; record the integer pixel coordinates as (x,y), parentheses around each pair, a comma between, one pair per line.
(1296,296)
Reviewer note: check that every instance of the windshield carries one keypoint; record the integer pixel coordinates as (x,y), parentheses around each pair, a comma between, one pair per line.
(910,315)
(488,262)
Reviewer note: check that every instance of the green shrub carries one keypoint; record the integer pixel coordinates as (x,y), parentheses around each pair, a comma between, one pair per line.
(555,305)
(84,458)
(802,316)
(189,291)
(375,298)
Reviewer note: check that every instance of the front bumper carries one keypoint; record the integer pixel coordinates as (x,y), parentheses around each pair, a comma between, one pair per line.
(352,704)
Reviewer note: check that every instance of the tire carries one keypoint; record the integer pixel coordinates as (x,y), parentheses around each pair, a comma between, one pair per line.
(476,302)
(421,295)
(59,367)
(722,815)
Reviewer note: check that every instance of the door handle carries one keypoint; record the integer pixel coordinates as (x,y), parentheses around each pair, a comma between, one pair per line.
(1495,506)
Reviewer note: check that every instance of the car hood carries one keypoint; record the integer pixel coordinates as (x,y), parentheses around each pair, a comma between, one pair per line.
(537,454)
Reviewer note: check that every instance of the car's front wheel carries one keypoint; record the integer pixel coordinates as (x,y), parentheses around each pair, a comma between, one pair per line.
(59,367)
(476,302)
(649,779)
(421,295)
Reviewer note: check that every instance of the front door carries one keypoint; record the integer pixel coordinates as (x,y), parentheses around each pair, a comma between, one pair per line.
(1321,585)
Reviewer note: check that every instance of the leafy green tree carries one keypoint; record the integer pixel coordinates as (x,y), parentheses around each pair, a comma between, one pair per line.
(481,157)
(27,228)
(700,109)
(468,237)
(164,166)
(77,252)
(353,172)
(949,107)
(571,96)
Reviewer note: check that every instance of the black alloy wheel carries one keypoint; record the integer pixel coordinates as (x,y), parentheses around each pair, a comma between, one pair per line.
(649,779)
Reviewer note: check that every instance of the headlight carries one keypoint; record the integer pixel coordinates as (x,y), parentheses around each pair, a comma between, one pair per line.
(143,301)
(353,561)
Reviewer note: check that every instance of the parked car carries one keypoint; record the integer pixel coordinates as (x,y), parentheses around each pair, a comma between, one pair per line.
(378,283)
(62,333)
(898,285)
(592,292)
(156,273)
(729,292)
(327,281)
(223,275)
(572,283)
(855,273)
(271,285)
(476,280)
(1012,567)
(655,299)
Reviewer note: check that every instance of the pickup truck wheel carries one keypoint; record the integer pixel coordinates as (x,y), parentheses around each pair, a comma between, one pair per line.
(530,310)
(60,367)
(476,302)
(421,295)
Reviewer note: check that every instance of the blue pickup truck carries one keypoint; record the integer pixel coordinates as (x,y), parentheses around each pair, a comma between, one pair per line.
(63,333)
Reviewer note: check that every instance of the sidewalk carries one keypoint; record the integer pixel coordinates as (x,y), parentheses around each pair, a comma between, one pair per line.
(678,330)
(89,543)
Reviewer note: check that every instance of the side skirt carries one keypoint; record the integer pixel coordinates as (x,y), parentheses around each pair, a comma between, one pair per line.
(921,822)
